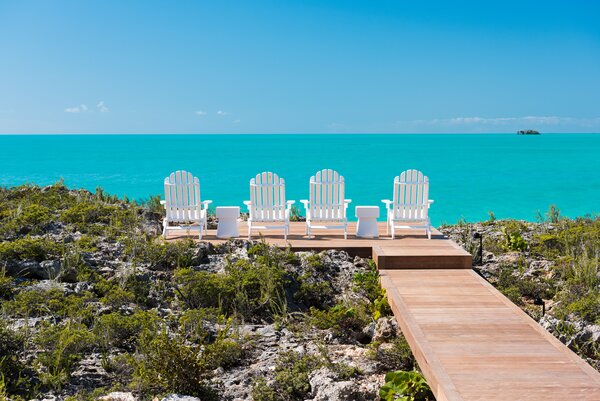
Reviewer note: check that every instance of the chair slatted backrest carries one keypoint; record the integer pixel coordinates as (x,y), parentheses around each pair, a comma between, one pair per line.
(327,196)
(182,197)
(411,196)
(267,197)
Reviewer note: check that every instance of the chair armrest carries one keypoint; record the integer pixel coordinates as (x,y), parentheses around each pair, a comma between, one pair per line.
(290,202)
(429,203)
(163,202)
(206,203)
(247,203)
(304,202)
(347,201)
(387,201)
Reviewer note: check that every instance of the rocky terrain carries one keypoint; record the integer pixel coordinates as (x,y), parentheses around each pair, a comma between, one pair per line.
(95,304)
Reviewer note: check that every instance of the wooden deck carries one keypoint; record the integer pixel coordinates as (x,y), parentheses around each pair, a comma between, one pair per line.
(410,249)
(472,343)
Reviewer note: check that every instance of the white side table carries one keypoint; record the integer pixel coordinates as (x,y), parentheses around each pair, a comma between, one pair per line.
(228,225)
(367,221)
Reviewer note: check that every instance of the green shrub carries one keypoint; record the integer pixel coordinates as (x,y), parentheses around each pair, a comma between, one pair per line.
(38,249)
(167,364)
(154,206)
(553,214)
(15,378)
(586,307)
(34,215)
(62,347)
(313,292)
(291,374)
(6,286)
(117,330)
(250,289)
(87,243)
(345,321)
(407,386)
(35,303)
(88,213)
(226,351)
(118,297)
(513,241)
(395,355)
(162,255)
(262,392)
(368,285)
(194,323)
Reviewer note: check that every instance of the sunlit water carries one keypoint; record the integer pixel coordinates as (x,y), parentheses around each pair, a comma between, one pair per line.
(513,176)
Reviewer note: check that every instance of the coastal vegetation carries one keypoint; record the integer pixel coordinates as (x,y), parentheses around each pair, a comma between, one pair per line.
(93,301)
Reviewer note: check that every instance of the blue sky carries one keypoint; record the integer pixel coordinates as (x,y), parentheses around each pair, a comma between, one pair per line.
(299,66)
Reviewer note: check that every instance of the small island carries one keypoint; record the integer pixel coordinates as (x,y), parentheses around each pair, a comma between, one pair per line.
(528,132)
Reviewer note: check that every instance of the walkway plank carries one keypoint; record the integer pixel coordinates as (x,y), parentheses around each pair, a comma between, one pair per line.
(472,343)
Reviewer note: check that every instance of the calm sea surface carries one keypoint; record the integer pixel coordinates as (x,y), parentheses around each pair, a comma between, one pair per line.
(513,176)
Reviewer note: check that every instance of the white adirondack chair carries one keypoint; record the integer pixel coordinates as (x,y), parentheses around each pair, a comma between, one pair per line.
(185,210)
(410,203)
(267,204)
(326,205)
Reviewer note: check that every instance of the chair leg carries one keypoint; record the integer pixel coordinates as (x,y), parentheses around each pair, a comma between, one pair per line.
(285,233)
(165,225)
(249,231)
(200,235)
(387,226)
(345,231)
(393,231)
(428,232)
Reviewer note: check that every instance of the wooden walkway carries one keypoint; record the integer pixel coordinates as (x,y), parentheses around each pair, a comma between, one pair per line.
(470,341)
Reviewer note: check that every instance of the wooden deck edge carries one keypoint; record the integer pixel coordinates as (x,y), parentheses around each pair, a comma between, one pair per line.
(592,373)
(441,385)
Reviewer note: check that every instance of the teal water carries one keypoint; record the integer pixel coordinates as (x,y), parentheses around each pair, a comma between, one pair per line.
(513,176)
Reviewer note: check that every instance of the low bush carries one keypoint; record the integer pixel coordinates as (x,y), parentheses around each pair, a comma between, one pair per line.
(15,378)
(291,374)
(407,386)
(249,289)
(395,355)
(61,346)
(38,249)
(122,331)
(344,320)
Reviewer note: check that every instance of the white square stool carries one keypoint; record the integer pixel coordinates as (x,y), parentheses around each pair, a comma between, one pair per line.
(228,225)
(366,227)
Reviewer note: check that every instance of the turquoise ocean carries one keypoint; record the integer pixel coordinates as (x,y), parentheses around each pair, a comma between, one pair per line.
(470,174)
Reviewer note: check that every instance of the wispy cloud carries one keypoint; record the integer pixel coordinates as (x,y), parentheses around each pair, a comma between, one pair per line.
(456,124)
(200,113)
(101,106)
(236,121)
(223,113)
(82,108)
